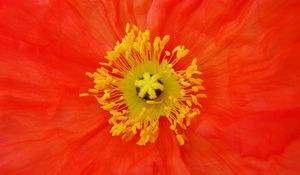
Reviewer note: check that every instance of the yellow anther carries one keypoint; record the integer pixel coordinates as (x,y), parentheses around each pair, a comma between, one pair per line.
(201,96)
(127,28)
(180,139)
(195,81)
(93,90)
(185,83)
(165,39)
(83,95)
(194,99)
(193,114)
(89,74)
(167,53)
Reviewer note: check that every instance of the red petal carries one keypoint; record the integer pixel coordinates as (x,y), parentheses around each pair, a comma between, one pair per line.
(169,150)
(211,156)
(263,133)
(108,19)
(287,162)
(251,71)
(52,27)
(41,112)
(193,22)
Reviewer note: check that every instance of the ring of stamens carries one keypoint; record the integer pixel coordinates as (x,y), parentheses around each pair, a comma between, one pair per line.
(138,85)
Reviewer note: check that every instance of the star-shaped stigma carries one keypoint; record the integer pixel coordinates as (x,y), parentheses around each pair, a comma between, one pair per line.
(149,87)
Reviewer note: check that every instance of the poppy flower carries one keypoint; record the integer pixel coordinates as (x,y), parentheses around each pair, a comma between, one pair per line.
(183,87)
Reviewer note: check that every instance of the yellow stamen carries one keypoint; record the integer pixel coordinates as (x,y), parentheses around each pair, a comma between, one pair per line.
(138,85)
(180,139)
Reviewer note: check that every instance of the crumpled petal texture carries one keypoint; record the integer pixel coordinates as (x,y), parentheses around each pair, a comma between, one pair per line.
(248,51)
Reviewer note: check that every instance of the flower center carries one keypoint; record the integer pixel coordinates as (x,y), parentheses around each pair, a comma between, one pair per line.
(149,86)
(139,84)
